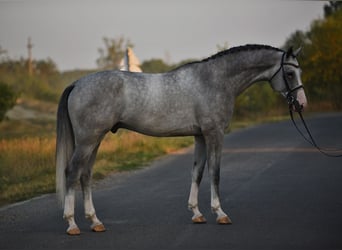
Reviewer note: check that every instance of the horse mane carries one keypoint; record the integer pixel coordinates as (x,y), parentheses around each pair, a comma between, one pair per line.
(248,47)
(233,50)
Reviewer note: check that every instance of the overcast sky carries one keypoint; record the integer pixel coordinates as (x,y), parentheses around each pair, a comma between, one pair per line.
(71,31)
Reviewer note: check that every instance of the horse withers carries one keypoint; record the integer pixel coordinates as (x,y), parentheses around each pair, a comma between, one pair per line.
(196,99)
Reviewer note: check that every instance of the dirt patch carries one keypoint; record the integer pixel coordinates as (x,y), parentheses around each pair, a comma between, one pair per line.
(27,110)
(22,113)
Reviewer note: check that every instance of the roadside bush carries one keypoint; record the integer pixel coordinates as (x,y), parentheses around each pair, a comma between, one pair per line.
(256,100)
(7,99)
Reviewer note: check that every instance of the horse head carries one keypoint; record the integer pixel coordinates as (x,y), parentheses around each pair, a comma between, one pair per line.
(287,80)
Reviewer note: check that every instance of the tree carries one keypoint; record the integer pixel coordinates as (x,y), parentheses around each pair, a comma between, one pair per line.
(2,52)
(332,7)
(321,57)
(112,54)
(297,39)
(155,66)
(45,67)
(7,99)
(323,62)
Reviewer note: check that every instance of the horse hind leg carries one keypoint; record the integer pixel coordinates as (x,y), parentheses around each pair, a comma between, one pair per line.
(197,173)
(72,176)
(86,176)
(77,168)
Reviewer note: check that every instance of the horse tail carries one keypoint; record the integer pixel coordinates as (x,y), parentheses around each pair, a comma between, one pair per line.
(65,143)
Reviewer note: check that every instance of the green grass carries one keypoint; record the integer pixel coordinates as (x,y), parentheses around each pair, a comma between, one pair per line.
(26,168)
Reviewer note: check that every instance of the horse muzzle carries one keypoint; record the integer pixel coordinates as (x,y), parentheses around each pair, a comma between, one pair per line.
(298,101)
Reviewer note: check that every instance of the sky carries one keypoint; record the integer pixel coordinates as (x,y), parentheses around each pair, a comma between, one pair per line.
(70,32)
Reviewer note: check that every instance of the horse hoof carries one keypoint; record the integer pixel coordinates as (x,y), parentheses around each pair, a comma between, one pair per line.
(98,228)
(199,220)
(74,231)
(224,220)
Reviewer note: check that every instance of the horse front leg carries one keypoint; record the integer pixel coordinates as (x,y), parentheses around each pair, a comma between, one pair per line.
(197,173)
(214,143)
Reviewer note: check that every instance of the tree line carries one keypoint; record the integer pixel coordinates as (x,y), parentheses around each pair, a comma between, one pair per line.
(321,57)
(320,61)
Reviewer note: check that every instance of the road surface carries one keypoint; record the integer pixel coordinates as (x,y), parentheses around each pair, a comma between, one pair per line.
(279,192)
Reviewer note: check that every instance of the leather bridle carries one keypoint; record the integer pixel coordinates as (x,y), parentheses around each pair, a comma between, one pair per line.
(288,94)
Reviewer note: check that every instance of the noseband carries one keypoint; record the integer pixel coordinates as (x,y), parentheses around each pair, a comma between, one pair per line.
(291,100)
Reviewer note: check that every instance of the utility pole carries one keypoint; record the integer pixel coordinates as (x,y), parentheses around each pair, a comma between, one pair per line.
(29,60)
(2,51)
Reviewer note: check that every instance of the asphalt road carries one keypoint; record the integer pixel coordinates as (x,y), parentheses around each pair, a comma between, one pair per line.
(279,192)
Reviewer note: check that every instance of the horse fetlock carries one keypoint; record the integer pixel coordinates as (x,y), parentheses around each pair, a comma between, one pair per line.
(191,206)
(222,217)
(68,217)
(90,216)
(216,209)
(195,210)
(198,217)
(97,225)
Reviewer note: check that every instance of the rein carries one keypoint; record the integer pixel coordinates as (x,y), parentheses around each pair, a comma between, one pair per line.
(310,139)
(291,100)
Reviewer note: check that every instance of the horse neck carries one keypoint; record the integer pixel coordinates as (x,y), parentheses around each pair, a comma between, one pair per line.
(240,70)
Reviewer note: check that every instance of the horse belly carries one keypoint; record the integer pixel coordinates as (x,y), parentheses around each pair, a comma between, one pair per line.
(160,127)
(168,132)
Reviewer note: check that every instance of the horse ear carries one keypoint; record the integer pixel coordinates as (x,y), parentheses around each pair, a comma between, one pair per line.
(289,52)
(297,51)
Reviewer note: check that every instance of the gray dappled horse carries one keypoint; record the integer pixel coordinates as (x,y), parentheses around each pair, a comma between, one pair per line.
(196,99)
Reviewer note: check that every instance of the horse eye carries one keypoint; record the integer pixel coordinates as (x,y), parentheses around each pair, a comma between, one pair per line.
(290,75)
